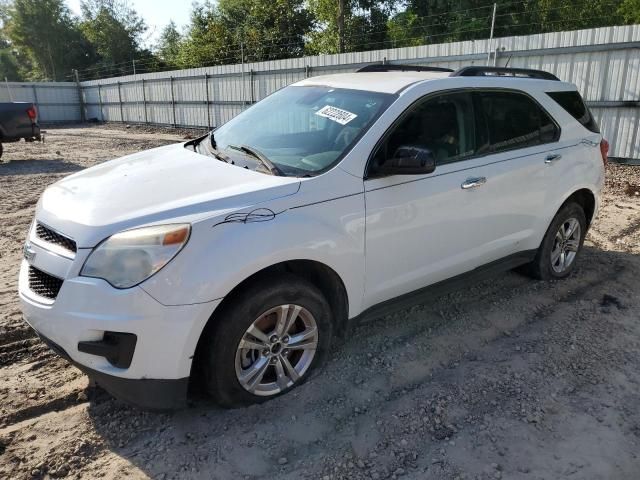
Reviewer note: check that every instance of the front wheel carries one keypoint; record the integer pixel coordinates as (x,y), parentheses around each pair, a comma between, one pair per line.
(561,246)
(266,341)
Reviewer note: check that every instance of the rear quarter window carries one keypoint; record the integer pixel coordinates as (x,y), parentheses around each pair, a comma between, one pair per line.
(574,105)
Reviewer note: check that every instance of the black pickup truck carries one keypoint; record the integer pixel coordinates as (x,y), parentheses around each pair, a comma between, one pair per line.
(18,120)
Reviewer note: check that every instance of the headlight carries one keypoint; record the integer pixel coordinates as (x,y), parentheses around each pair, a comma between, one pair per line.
(128,258)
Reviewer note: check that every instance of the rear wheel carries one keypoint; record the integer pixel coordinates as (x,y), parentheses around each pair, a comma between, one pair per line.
(561,246)
(267,341)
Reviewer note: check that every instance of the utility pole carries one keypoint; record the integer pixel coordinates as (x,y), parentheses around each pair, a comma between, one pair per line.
(134,65)
(493,23)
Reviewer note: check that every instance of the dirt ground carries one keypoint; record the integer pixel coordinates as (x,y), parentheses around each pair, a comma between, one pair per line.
(511,378)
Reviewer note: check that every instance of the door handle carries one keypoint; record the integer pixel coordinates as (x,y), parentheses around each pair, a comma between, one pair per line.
(552,158)
(473,182)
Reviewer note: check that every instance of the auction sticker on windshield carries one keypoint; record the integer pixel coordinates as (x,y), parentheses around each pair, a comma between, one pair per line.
(336,114)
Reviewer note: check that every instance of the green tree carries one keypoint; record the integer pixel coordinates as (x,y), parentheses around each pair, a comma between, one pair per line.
(115,30)
(350,25)
(630,11)
(8,55)
(268,29)
(456,20)
(404,30)
(168,46)
(46,34)
(258,29)
(557,15)
(208,41)
(450,20)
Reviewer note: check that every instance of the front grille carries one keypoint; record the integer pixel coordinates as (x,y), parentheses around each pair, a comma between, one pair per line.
(47,235)
(43,284)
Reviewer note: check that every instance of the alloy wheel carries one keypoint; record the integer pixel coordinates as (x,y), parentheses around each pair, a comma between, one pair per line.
(276,350)
(565,245)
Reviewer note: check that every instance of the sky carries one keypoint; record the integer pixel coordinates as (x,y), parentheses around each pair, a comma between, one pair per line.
(156,14)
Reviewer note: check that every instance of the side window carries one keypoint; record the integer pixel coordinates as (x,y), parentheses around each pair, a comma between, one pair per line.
(513,120)
(572,102)
(442,124)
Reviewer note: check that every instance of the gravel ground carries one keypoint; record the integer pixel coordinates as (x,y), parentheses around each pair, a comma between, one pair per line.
(510,378)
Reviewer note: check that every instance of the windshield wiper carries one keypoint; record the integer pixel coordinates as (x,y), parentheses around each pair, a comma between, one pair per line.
(261,157)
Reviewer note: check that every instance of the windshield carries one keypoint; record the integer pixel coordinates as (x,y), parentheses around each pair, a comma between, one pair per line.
(300,130)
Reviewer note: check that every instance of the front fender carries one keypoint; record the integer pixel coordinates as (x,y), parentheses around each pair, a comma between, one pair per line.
(221,254)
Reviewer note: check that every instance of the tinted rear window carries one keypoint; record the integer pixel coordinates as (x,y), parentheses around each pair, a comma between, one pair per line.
(572,103)
(513,120)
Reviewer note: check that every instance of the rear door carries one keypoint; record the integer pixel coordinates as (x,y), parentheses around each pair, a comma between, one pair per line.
(519,142)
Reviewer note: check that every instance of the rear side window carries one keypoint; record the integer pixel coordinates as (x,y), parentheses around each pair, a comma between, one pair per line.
(512,120)
(572,102)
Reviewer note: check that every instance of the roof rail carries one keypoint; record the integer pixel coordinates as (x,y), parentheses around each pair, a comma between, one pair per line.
(478,71)
(395,67)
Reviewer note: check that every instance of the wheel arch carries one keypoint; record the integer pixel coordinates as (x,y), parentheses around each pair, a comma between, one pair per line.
(325,278)
(586,199)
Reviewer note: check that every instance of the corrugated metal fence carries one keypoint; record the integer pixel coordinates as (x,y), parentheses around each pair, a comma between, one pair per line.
(56,101)
(604,63)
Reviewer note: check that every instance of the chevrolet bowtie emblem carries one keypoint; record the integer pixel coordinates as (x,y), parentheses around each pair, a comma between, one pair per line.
(29,253)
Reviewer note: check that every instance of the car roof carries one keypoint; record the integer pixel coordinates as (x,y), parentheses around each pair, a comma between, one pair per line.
(384,82)
(394,81)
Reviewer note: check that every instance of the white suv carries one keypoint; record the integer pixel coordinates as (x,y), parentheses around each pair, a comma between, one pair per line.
(242,253)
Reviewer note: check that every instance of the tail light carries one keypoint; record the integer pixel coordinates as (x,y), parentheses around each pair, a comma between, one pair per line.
(604,151)
(32,112)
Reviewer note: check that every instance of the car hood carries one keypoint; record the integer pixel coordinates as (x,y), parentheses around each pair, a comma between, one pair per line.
(162,184)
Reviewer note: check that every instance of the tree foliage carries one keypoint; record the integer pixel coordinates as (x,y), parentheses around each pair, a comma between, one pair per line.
(364,26)
(630,11)
(8,54)
(255,29)
(41,39)
(169,45)
(116,32)
(46,34)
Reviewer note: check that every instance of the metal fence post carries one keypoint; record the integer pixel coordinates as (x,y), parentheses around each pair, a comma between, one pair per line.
(251,75)
(120,101)
(100,102)
(215,93)
(173,103)
(83,115)
(493,23)
(244,98)
(206,90)
(6,82)
(144,102)
(35,97)
(307,71)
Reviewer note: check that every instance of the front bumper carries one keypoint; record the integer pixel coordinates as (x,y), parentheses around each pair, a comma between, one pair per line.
(86,308)
(149,394)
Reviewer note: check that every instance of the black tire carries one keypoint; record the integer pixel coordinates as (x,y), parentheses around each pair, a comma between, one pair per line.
(541,267)
(231,323)
(1,150)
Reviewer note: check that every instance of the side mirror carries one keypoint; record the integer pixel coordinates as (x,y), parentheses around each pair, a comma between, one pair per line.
(409,160)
